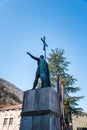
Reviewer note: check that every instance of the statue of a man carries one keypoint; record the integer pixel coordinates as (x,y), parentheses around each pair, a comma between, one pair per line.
(42,71)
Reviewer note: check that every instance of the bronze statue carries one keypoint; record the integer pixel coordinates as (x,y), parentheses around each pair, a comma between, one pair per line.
(42,71)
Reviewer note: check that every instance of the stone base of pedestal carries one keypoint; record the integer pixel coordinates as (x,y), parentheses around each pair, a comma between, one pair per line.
(40,110)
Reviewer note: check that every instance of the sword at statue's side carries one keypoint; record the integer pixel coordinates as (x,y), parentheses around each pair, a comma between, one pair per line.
(44,46)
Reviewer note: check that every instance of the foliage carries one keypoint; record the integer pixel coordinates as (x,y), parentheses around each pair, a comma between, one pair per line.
(8,95)
(58,66)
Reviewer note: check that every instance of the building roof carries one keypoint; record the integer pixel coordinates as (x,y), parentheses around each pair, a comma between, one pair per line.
(10,107)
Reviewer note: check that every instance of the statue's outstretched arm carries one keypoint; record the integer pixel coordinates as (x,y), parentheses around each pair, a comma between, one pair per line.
(32,56)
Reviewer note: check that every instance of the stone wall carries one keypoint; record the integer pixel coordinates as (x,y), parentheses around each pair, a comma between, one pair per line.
(79,122)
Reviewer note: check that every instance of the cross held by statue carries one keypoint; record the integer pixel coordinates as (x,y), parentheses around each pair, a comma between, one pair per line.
(44,46)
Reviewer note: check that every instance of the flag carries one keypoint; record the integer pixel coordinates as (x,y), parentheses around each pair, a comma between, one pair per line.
(60,90)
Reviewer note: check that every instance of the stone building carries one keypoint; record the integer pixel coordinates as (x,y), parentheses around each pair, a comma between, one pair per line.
(79,122)
(10,117)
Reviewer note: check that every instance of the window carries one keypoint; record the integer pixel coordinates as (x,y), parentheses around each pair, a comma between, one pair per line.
(5,121)
(10,121)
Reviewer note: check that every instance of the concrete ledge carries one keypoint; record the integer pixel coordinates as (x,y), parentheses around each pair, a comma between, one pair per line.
(45,112)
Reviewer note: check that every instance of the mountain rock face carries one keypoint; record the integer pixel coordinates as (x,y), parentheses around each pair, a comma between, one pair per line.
(9,93)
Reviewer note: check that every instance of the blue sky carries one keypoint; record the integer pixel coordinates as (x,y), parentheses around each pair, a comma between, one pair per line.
(24,22)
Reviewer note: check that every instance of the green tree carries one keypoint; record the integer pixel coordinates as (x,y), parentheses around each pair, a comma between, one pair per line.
(59,66)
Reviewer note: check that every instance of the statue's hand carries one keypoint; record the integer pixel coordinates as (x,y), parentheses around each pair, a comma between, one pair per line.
(28,53)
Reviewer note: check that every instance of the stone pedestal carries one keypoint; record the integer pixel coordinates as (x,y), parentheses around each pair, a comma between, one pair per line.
(40,110)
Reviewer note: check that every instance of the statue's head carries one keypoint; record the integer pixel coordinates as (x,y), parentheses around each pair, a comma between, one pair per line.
(41,56)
